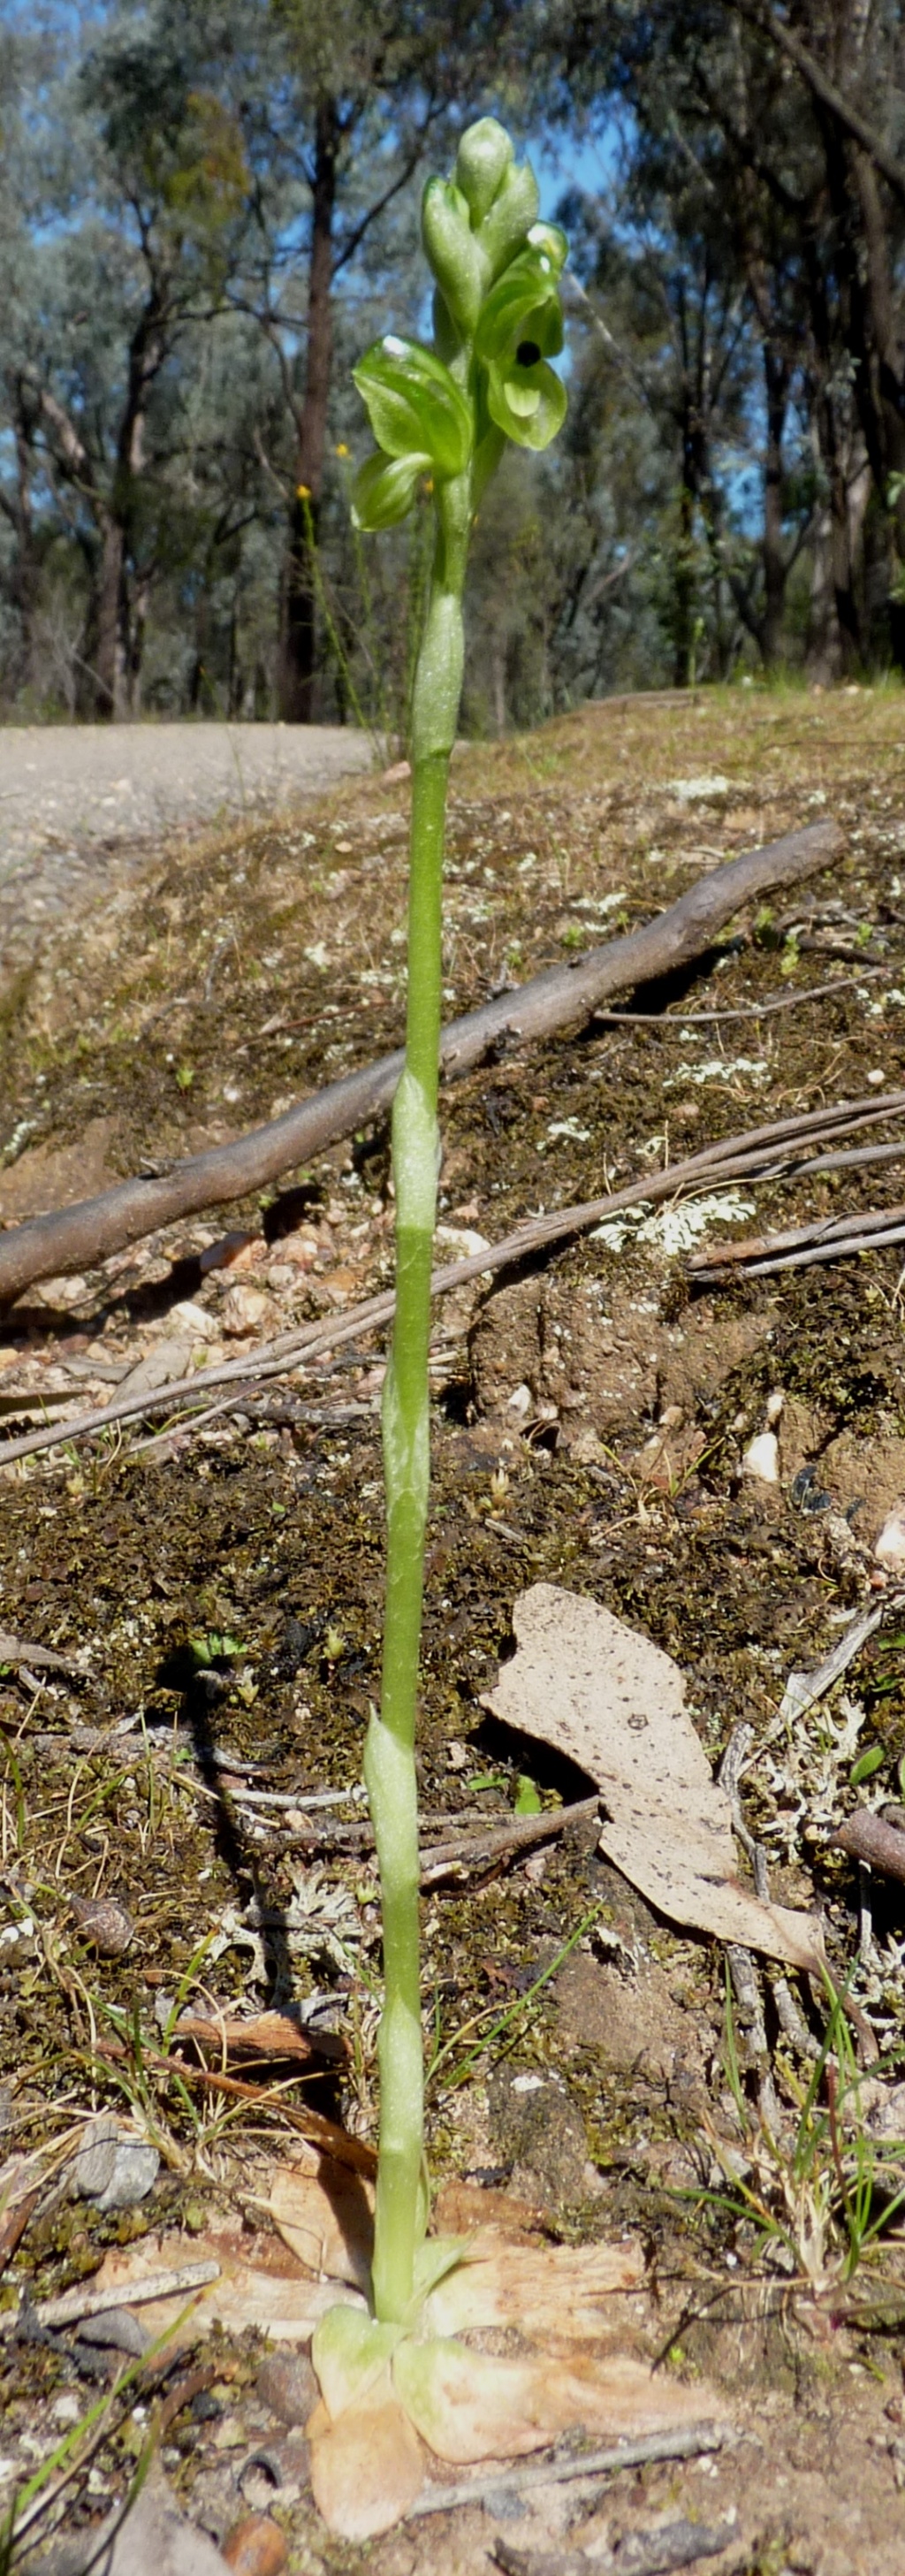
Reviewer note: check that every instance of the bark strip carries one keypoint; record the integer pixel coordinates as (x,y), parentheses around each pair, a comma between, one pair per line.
(77,1237)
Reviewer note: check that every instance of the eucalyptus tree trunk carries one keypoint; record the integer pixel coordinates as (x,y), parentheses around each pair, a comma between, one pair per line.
(299,611)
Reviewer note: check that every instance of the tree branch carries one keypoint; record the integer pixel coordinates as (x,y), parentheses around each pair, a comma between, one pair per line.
(74,1238)
(853,124)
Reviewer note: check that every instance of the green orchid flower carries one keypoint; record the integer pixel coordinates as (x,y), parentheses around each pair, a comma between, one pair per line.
(384,489)
(519,329)
(414,405)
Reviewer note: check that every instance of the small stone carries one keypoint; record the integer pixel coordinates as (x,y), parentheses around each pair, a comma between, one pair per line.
(194,1319)
(298,1251)
(286,2383)
(460,1242)
(113,2168)
(255,2546)
(104,1923)
(68,2408)
(229,1251)
(243,1309)
(520,1399)
(116,2330)
(340,1286)
(775,1404)
(761,1458)
(890,1547)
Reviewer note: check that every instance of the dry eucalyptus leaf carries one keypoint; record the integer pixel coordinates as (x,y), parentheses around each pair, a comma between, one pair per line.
(383,2386)
(615,1704)
(326,2215)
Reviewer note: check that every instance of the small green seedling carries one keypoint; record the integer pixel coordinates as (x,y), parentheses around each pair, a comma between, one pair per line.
(213,1649)
(441,416)
(527,1797)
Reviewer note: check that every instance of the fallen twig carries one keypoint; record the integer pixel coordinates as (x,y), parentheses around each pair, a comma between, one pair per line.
(867,1838)
(311,2124)
(799,1246)
(803,1690)
(76,2304)
(13,2225)
(20,1651)
(642,2553)
(494,1840)
(75,1238)
(679,1019)
(573,2468)
(770,1152)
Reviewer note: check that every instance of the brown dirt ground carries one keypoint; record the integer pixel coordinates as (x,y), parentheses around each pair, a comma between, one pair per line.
(198,997)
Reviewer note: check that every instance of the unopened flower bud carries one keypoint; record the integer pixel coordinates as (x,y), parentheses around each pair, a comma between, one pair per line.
(483,158)
(452,250)
(510,217)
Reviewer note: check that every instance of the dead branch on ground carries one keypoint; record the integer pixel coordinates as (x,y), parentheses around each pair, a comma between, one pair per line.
(77,1237)
(768,1153)
(824,1239)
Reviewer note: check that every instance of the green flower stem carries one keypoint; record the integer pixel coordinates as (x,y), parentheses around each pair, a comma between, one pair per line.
(401,2215)
(445,412)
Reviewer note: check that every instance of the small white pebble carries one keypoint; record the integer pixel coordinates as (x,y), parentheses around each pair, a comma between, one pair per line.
(876,1078)
(762,1458)
(775,1402)
(68,2408)
(890,1547)
(520,1400)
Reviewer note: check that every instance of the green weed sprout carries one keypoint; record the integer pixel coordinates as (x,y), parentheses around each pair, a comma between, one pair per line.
(442,414)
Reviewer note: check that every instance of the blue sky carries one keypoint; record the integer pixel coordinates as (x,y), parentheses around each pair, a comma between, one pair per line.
(565,162)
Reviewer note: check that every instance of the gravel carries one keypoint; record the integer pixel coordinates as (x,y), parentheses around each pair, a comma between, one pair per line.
(72,796)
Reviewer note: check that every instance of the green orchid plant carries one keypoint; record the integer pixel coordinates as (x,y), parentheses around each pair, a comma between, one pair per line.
(443,414)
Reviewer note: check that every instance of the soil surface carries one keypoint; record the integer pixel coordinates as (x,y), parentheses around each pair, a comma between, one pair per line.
(211,1587)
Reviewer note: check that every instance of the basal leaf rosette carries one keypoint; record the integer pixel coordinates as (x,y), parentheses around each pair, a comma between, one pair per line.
(422,422)
(519,329)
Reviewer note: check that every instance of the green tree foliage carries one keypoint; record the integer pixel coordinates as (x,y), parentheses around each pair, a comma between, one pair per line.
(206,210)
(776,134)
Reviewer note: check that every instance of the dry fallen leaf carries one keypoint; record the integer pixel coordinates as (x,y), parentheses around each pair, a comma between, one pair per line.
(615,1704)
(383,2387)
(325,2214)
(543,2290)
